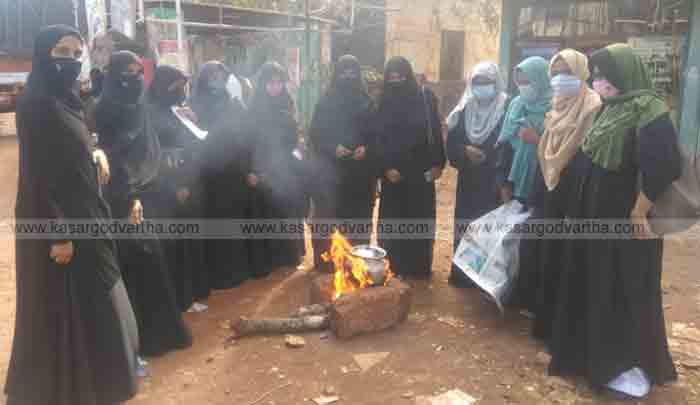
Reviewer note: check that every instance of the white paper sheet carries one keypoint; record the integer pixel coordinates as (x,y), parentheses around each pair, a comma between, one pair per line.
(199,133)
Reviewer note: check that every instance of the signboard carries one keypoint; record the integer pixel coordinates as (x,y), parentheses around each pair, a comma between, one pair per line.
(168,54)
(657,53)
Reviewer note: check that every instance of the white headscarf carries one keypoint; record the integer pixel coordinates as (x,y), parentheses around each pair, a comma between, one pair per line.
(480,121)
(234,88)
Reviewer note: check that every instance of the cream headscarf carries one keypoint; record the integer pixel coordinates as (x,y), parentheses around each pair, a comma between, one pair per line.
(568,122)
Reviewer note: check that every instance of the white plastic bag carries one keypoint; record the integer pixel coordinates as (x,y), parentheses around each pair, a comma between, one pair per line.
(488,252)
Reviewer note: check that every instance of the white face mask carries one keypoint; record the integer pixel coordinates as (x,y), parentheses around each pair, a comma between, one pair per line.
(566,85)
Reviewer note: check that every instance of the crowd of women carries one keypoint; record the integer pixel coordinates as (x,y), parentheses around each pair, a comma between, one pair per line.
(87,308)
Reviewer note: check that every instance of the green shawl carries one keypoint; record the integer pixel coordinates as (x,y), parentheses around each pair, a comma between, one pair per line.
(636,106)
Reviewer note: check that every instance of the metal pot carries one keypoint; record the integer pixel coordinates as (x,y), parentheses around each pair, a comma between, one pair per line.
(374,257)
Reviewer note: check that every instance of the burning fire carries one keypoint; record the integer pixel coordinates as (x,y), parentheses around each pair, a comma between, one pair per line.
(350,271)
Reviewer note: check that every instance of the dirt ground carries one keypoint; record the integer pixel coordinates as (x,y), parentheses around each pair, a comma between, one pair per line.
(452,340)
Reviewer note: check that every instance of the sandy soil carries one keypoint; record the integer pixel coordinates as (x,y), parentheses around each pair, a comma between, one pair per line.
(488,356)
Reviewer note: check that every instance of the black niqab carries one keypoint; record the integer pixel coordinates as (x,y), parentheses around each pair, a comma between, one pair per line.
(262,102)
(208,102)
(159,92)
(344,102)
(39,82)
(402,111)
(125,132)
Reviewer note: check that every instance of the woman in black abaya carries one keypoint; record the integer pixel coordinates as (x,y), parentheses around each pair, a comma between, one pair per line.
(609,324)
(275,172)
(75,336)
(134,153)
(180,184)
(224,165)
(340,136)
(412,157)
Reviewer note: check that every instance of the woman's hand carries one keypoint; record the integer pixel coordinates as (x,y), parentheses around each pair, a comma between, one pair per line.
(360,153)
(639,217)
(436,173)
(187,113)
(474,154)
(640,226)
(62,252)
(393,176)
(252,180)
(182,195)
(506,193)
(136,216)
(529,135)
(103,174)
(342,152)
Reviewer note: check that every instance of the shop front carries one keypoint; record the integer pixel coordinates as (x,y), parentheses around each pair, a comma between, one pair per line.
(665,33)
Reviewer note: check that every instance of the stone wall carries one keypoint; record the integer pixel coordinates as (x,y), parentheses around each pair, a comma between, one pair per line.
(415,32)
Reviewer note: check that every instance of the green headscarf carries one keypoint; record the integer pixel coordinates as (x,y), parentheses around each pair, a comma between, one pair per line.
(525,113)
(636,106)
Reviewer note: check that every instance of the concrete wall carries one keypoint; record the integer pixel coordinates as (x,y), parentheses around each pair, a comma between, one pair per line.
(415,33)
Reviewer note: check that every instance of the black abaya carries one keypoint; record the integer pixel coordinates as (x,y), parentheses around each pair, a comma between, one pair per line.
(227,194)
(409,145)
(134,154)
(279,194)
(180,169)
(608,315)
(75,336)
(343,187)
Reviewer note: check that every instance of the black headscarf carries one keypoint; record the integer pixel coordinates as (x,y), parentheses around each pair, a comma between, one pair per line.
(262,103)
(337,118)
(211,99)
(402,109)
(163,78)
(124,129)
(42,80)
(219,114)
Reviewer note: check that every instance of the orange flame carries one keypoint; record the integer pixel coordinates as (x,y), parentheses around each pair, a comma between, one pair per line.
(350,271)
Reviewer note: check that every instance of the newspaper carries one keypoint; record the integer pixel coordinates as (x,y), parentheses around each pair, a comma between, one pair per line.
(489,255)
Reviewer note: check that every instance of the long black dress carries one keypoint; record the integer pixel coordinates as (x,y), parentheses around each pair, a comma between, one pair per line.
(609,313)
(227,195)
(180,169)
(343,187)
(279,194)
(407,145)
(133,151)
(75,334)
(477,185)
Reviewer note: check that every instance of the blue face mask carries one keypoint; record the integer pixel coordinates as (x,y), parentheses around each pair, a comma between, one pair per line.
(484,92)
(566,85)
(528,93)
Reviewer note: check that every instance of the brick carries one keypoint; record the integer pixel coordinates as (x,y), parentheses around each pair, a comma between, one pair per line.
(371,310)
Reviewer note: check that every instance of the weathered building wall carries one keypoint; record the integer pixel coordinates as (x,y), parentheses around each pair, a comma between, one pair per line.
(415,32)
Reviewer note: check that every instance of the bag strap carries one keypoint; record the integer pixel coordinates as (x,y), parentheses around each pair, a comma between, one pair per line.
(428,114)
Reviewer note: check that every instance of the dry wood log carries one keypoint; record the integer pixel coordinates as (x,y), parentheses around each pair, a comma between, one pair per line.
(247,327)
(311,310)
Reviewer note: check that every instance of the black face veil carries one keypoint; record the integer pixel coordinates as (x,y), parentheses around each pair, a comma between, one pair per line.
(124,129)
(41,81)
